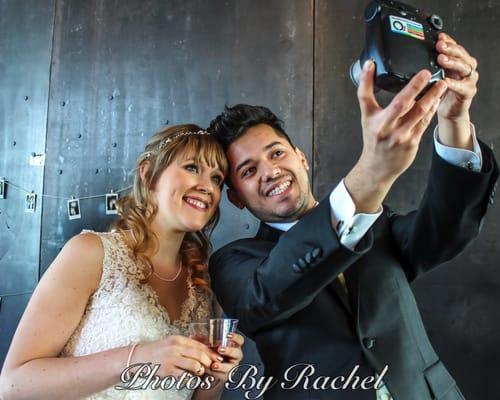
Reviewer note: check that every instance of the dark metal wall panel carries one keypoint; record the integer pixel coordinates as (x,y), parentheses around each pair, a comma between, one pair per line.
(24,79)
(25,50)
(11,310)
(458,301)
(123,69)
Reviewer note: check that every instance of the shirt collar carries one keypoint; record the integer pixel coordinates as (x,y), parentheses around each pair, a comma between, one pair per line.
(284,226)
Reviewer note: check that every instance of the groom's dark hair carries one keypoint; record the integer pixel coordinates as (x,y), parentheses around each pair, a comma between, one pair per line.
(234,121)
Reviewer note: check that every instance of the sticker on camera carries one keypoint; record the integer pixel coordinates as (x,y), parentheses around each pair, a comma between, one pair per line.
(406,27)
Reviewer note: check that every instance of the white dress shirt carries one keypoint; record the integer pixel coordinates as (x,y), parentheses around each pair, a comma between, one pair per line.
(351,227)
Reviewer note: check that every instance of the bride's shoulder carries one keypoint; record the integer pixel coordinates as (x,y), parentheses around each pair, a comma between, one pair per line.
(81,259)
(97,241)
(87,245)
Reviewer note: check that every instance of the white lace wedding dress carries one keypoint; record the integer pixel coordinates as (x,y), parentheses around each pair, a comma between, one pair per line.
(123,311)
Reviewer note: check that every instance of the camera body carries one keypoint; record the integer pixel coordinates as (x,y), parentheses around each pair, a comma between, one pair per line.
(401,40)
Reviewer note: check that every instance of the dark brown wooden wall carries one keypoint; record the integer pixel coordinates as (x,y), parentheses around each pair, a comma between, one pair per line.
(86,82)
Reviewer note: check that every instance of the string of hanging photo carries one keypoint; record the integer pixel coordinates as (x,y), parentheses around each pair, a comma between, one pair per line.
(72,203)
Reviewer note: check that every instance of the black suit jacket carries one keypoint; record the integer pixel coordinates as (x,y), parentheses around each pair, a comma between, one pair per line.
(283,287)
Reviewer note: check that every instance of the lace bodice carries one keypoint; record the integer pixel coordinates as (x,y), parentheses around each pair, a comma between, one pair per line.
(123,311)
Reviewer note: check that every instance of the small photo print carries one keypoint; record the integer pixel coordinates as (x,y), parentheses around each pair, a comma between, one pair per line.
(111,199)
(3,187)
(30,203)
(74,209)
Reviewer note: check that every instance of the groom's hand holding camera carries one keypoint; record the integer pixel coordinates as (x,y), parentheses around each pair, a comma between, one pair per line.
(461,77)
(391,135)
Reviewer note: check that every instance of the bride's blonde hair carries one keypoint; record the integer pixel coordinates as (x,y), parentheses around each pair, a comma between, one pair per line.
(137,209)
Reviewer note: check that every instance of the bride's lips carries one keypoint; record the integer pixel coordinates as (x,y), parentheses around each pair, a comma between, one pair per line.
(196,203)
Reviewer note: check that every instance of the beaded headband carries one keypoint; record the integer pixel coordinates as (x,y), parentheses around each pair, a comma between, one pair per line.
(166,141)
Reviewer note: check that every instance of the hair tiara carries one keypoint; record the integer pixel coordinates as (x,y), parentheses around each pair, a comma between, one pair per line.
(166,141)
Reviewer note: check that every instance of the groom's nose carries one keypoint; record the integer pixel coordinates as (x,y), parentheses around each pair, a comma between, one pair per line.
(270,171)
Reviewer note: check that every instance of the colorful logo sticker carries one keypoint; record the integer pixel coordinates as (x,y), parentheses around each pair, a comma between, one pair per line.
(406,27)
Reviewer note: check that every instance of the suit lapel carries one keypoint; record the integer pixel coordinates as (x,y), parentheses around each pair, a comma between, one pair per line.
(268,233)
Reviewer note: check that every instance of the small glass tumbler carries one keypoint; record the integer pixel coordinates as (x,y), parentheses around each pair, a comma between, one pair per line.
(199,331)
(218,331)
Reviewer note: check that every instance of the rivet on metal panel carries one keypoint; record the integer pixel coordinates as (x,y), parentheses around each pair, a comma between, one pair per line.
(111,97)
(60,172)
(115,144)
(37,160)
(26,98)
(247,226)
(63,103)
(79,136)
(166,122)
(97,171)
(14,143)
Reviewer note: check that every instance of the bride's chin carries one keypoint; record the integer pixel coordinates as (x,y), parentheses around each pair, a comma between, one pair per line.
(194,221)
(192,227)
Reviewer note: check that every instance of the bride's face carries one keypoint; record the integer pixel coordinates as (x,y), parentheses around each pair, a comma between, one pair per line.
(188,193)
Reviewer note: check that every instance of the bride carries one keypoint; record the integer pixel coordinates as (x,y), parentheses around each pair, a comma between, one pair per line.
(117,300)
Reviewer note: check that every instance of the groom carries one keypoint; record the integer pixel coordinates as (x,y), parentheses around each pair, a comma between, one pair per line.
(328,283)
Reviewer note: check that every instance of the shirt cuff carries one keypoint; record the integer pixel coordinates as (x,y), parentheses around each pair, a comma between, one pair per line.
(469,159)
(350,227)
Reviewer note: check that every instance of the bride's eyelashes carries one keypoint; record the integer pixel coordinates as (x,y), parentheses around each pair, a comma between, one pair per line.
(217,177)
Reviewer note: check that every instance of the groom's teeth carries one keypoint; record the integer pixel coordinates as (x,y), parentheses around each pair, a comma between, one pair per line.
(280,189)
(196,203)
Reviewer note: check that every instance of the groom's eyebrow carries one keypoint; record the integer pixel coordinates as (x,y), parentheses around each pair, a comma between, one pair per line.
(249,160)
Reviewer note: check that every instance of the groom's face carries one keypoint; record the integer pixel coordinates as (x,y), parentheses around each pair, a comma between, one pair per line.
(269,176)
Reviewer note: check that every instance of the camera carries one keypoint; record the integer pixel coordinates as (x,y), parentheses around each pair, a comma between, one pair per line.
(401,40)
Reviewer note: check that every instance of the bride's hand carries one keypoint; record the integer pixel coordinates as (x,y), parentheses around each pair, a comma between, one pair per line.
(229,357)
(176,355)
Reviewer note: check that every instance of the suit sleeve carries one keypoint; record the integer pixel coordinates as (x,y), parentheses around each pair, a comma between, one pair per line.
(262,282)
(449,217)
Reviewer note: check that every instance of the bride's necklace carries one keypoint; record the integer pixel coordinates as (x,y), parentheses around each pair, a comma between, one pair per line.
(169,279)
(158,275)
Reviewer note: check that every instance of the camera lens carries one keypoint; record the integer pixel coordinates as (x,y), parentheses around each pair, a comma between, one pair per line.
(436,21)
(355,72)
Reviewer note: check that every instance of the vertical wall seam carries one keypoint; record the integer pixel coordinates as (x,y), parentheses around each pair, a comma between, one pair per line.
(313,94)
(54,20)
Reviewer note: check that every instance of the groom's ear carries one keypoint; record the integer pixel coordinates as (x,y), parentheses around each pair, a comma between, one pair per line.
(234,198)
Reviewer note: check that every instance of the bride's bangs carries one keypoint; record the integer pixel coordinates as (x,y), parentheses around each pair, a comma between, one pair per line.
(203,148)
